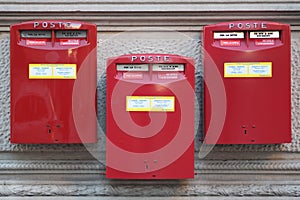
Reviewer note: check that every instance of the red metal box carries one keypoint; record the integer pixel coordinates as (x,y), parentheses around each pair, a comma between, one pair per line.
(53,82)
(247,74)
(150,117)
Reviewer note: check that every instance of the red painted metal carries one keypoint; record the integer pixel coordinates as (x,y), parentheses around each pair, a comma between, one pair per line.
(150,144)
(257,110)
(51,109)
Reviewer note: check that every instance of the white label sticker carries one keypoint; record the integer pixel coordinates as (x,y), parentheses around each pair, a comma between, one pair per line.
(150,103)
(228,35)
(52,71)
(132,67)
(162,104)
(260,70)
(40,71)
(168,67)
(64,71)
(264,34)
(71,34)
(238,69)
(248,69)
(35,34)
(138,104)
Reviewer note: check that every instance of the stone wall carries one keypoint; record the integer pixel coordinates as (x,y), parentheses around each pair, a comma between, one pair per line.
(171,26)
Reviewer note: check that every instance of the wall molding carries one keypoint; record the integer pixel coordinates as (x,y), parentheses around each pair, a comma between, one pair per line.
(119,15)
(200,165)
(169,190)
(147,5)
(213,178)
(178,21)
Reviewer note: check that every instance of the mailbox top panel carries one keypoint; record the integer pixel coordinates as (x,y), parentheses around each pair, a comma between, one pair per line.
(247,25)
(150,58)
(53,24)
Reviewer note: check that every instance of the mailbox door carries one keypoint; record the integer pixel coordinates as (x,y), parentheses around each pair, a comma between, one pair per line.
(252,59)
(53,82)
(147,97)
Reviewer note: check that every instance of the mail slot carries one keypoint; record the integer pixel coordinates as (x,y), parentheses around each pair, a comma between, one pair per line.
(150,117)
(252,61)
(53,82)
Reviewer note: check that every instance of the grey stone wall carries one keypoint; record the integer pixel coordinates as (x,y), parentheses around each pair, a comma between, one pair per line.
(133,27)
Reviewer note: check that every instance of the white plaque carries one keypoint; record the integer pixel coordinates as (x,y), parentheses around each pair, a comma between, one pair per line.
(228,35)
(168,67)
(132,67)
(264,34)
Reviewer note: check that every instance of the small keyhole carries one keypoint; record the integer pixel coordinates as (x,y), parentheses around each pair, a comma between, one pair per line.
(245,131)
(49,128)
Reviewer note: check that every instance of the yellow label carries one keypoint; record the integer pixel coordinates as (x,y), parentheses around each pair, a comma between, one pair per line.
(248,69)
(52,71)
(150,103)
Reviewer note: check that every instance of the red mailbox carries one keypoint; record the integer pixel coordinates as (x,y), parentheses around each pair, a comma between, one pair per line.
(252,59)
(53,82)
(150,117)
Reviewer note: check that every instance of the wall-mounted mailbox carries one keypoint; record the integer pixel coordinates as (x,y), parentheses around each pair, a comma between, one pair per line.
(150,117)
(253,60)
(53,82)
